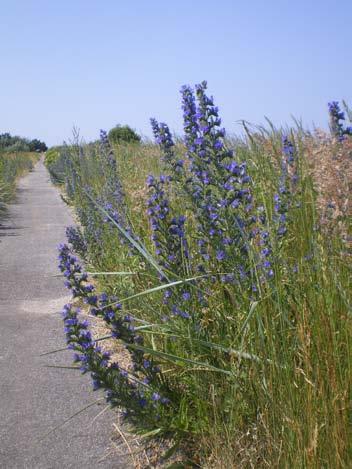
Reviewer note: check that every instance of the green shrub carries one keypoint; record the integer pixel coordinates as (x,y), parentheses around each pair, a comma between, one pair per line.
(18,146)
(15,143)
(37,145)
(54,161)
(123,133)
(51,156)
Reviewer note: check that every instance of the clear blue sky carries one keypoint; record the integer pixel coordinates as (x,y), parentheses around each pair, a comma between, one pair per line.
(94,64)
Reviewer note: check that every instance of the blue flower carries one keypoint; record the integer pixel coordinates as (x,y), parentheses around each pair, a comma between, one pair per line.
(76,239)
(287,186)
(219,185)
(336,115)
(163,137)
(168,232)
(186,296)
(220,255)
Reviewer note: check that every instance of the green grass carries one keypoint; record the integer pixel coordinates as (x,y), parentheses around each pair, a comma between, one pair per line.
(12,166)
(262,381)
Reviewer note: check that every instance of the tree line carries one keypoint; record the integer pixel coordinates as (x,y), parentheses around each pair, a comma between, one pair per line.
(14,143)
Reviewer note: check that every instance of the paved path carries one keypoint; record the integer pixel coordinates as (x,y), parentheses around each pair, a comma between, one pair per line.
(34,398)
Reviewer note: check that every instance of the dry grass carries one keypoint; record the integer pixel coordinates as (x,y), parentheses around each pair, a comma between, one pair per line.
(330,163)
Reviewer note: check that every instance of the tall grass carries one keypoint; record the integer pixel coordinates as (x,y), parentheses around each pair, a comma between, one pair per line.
(252,355)
(12,166)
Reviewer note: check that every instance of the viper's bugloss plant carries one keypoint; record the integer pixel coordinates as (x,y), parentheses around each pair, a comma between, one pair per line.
(113,189)
(168,231)
(229,297)
(136,389)
(283,199)
(75,238)
(336,117)
(219,186)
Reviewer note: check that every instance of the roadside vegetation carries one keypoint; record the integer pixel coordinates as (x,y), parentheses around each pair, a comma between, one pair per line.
(222,264)
(12,166)
(11,144)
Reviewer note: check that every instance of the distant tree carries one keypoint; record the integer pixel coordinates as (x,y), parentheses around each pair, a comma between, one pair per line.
(123,133)
(37,145)
(5,140)
(15,143)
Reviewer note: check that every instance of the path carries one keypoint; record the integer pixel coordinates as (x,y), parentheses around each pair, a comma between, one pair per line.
(34,398)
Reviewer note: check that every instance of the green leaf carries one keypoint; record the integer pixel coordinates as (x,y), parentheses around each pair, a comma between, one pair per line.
(212,345)
(176,359)
(158,288)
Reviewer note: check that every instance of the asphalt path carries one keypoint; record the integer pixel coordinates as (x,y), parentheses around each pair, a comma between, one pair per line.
(35,398)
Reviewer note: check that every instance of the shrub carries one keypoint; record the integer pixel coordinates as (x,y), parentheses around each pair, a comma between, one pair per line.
(37,145)
(51,155)
(18,146)
(54,161)
(123,134)
(12,144)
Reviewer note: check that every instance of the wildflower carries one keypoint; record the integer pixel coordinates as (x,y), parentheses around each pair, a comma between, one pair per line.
(287,184)
(119,389)
(186,296)
(155,396)
(220,255)
(76,239)
(219,185)
(168,232)
(336,116)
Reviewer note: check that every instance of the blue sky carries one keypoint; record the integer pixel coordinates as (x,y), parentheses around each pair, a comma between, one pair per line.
(94,64)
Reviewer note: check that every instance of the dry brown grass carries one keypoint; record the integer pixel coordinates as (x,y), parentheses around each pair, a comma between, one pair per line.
(330,163)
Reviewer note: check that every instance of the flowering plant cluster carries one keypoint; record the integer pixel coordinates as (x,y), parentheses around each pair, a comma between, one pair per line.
(164,139)
(287,186)
(336,116)
(76,239)
(220,194)
(208,276)
(135,389)
(218,185)
(169,235)
(100,208)
(233,234)
(113,193)
(90,221)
